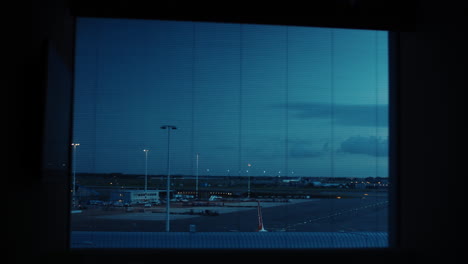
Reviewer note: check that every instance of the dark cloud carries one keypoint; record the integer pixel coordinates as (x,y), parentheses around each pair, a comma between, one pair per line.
(372,146)
(347,115)
(307,150)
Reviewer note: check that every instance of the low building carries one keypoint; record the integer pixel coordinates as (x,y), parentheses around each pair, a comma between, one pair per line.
(135,196)
(86,193)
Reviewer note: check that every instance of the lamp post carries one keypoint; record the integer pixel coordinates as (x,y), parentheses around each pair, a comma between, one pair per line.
(146,172)
(196,180)
(248,181)
(74,145)
(168,187)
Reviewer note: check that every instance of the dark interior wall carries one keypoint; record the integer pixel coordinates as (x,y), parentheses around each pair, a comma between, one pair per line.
(432,75)
(42,41)
(430,70)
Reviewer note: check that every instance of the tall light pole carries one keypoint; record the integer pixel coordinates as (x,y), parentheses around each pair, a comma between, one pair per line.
(196,181)
(146,172)
(168,187)
(248,181)
(74,145)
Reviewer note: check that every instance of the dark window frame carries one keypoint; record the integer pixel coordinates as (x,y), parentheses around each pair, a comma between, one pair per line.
(393,161)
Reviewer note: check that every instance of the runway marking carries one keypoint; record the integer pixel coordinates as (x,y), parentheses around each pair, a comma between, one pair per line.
(334,214)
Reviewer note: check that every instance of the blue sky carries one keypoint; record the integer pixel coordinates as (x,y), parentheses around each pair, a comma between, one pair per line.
(295,101)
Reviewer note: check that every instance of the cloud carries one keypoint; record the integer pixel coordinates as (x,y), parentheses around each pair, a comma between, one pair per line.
(307,150)
(371,145)
(346,115)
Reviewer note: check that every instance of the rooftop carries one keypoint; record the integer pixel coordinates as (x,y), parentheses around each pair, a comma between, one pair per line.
(228,240)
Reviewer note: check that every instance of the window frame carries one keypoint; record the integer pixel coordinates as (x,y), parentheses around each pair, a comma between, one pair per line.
(393,159)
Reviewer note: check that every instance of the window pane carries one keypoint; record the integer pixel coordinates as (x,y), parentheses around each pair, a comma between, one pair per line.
(246,128)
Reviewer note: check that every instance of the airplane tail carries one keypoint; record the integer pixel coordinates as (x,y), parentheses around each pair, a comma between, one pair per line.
(260,228)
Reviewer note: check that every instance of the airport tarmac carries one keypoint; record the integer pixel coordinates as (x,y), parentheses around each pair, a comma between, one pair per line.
(183,211)
(315,215)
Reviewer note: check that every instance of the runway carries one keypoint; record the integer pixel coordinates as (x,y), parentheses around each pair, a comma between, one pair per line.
(306,215)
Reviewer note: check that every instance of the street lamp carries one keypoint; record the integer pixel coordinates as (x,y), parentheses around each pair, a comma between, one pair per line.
(196,180)
(74,145)
(146,172)
(248,182)
(168,187)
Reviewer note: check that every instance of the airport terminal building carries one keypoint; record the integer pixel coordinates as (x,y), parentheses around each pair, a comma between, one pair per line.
(135,196)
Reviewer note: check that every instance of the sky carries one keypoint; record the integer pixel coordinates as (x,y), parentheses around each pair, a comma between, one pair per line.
(257,100)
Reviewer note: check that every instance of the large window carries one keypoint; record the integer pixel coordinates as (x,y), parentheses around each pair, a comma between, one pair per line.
(227,131)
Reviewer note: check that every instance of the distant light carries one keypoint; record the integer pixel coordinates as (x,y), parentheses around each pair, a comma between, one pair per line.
(338,197)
